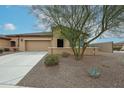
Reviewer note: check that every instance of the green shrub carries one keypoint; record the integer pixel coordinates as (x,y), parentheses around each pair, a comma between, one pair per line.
(117,48)
(106,66)
(1,51)
(6,49)
(65,54)
(51,60)
(94,72)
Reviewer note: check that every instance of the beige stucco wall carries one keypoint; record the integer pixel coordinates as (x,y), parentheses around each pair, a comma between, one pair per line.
(104,47)
(15,39)
(57,35)
(22,41)
(37,45)
(88,51)
(4,43)
(55,50)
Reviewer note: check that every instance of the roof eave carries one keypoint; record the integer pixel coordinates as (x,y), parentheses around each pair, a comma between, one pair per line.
(29,35)
(5,38)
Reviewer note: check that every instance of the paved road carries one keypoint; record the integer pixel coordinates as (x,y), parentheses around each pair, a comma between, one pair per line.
(14,67)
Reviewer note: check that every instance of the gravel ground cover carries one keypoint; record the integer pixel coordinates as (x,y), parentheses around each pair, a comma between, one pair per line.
(73,74)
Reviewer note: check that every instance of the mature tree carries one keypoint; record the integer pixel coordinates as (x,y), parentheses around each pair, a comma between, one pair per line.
(80,25)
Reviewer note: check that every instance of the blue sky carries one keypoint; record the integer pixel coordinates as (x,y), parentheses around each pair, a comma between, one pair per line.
(108,40)
(18,19)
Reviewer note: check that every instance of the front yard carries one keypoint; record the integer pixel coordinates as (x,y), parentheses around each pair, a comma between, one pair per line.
(73,74)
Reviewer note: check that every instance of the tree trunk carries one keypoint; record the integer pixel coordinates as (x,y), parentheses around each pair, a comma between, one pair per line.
(78,50)
(83,50)
(74,51)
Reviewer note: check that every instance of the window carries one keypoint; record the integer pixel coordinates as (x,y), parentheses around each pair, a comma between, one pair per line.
(60,43)
(13,43)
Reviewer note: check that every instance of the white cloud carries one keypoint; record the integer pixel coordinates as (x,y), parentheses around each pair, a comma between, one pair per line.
(42,16)
(43,27)
(9,27)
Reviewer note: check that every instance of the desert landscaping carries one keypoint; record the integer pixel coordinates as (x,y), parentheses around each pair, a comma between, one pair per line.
(70,73)
(62,46)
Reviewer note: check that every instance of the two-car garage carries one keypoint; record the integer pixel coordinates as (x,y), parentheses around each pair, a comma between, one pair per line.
(37,45)
(39,41)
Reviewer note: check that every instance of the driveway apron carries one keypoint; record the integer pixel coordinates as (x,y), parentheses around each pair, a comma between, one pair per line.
(14,67)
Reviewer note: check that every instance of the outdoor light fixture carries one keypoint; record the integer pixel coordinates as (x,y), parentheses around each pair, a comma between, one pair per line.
(21,40)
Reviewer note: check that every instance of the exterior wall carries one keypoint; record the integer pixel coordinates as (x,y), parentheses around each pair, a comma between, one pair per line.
(21,44)
(56,35)
(37,45)
(22,41)
(89,51)
(4,43)
(104,47)
(15,39)
(55,50)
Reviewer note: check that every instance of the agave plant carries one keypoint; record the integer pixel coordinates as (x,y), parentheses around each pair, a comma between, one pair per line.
(94,72)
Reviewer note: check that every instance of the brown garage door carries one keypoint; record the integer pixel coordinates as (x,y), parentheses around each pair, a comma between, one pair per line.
(37,45)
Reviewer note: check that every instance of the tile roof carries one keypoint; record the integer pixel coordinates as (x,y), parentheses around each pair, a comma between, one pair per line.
(33,34)
(4,37)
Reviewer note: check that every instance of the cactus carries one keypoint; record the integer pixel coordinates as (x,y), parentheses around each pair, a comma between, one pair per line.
(94,72)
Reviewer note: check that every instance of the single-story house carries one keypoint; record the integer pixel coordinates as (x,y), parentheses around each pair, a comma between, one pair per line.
(4,42)
(31,41)
(41,41)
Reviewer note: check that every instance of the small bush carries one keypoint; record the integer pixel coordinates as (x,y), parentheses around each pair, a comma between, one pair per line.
(51,60)
(94,72)
(1,51)
(65,54)
(106,66)
(117,48)
(6,49)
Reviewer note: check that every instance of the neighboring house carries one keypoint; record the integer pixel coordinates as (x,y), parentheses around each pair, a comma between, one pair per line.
(118,46)
(52,42)
(4,42)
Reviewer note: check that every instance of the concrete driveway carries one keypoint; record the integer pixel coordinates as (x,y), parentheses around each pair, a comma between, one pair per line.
(14,67)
